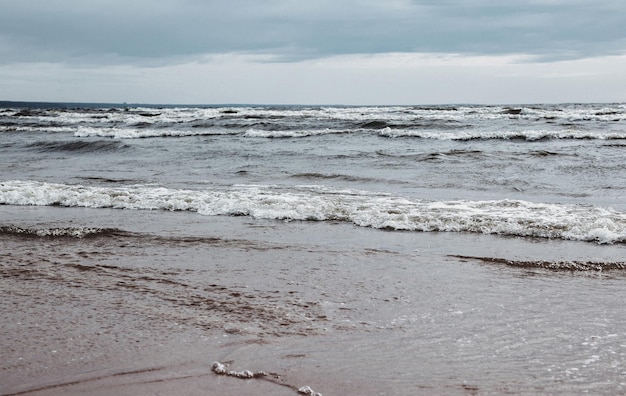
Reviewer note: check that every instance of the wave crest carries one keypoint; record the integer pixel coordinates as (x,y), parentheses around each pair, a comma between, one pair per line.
(362,208)
(527,135)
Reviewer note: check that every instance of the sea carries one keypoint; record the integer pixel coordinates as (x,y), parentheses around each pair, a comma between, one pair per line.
(450,249)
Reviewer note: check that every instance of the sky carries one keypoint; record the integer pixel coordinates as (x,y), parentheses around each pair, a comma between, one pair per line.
(353,52)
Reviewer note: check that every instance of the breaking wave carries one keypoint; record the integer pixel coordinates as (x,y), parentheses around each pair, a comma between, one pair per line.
(362,208)
(527,135)
(138,133)
(291,133)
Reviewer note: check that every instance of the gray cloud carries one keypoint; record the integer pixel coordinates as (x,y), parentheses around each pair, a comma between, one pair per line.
(118,31)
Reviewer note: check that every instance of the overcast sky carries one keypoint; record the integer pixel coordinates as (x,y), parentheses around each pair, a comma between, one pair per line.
(313,51)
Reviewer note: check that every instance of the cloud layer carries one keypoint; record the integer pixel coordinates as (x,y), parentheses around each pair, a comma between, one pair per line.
(116,30)
(322,51)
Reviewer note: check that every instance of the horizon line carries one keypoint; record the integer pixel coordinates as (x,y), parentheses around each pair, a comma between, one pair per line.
(69,104)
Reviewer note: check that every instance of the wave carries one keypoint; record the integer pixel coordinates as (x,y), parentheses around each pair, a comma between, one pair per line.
(333,176)
(79,146)
(413,124)
(528,135)
(434,156)
(36,128)
(58,232)
(292,133)
(133,133)
(375,125)
(362,208)
(99,179)
(560,265)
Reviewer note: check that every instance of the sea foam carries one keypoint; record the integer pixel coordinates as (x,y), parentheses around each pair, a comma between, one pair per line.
(319,203)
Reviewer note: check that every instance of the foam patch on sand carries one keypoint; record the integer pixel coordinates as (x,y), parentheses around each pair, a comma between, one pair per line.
(221,369)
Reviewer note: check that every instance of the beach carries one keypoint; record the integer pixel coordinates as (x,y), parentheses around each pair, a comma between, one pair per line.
(372,198)
(338,308)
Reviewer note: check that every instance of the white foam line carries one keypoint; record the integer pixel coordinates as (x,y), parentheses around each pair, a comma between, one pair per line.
(318,203)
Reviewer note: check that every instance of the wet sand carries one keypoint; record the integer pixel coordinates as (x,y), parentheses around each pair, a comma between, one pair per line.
(147,306)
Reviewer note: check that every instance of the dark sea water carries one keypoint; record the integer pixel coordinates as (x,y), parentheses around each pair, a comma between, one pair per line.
(450,249)
(551,171)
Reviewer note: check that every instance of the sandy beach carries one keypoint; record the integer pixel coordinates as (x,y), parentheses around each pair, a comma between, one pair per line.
(341,309)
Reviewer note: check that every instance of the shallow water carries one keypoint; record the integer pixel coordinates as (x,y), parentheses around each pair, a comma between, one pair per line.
(333,306)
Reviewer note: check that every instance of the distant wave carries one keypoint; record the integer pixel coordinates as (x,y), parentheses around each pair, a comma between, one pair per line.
(322,176)
(374,125)
(599,121)
(318,203)
(434,156)
(292,133)
(375,116)
(426,133)
(416,123)
(36,128)
(79,146)
(134,133)
(528,135)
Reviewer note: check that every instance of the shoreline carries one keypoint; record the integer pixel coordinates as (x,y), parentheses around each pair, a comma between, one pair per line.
(341,309)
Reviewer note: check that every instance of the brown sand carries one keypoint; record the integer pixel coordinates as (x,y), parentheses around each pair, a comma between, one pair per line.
(341,309)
